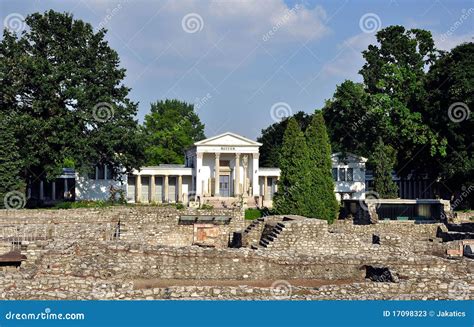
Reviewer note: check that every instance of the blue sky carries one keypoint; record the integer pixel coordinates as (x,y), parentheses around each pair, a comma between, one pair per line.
(247,63)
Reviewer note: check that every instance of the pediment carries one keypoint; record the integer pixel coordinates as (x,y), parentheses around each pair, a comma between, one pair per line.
(228,139)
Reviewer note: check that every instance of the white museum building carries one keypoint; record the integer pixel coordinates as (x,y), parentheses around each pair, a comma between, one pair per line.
(220,169)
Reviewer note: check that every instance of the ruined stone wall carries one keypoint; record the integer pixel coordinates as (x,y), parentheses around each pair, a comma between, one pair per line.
(145,224)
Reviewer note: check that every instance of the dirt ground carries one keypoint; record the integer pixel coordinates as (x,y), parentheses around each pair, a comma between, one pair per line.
(159,283)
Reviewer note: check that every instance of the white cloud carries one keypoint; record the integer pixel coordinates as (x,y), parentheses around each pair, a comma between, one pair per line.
(348,60)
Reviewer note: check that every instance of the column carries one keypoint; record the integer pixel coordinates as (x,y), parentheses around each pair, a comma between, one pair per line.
(180,188)
(265,179)
(152,189)
(255,184)
(199,190)
(138,189)
(237,175)
(216,174)
(41,190)
(276,183)
(53,190)
(245,164)
(65,189)
(166,188)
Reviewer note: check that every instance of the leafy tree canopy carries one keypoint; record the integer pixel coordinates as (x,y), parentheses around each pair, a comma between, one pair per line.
(62,86)
(272,139)
(170,128)
(390,103)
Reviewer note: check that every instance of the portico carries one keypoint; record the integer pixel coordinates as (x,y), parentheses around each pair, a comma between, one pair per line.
(225,166)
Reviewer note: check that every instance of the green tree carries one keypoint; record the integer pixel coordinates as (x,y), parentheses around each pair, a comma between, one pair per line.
(62,83)
(391,102)
(272,139)
(293,185)
(450,87)
(321,201)
(170,128)
(383,159)
(349,119)
(10,162)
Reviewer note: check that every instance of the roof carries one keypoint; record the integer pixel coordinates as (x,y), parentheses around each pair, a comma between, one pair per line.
(13,256)
(348,155)
(227,138)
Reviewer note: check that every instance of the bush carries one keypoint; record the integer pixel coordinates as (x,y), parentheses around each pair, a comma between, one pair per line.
(252,213)
(83,204)
(179,206)
(206,206)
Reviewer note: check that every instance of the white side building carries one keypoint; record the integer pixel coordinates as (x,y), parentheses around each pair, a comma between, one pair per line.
(348,172)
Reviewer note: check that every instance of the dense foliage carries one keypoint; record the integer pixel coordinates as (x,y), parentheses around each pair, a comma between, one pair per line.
(321,202)
(306,186)
(170,128)
(384,158)
(272,139)
(410,94)
(61,86)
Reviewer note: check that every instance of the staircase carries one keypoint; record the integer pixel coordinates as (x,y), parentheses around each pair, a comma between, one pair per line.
(251,234)
(267,240)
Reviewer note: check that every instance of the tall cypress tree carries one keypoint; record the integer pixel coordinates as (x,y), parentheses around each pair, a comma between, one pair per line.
(293,185)
(321,201)
(384,158)
(10,163)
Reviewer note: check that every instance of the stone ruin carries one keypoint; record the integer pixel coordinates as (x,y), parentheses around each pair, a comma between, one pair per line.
(150,252)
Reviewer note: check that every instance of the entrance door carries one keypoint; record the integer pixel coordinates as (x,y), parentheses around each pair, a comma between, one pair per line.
(224,186)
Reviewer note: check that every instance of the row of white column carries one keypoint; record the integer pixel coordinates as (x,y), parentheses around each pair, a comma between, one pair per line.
(152,188)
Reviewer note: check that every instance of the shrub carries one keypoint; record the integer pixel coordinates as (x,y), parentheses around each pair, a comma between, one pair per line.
(252,213)
(206,206)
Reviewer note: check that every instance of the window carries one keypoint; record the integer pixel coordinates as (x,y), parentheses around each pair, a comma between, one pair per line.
(100,172)
(334,174)
(342,174)
(350,174)
(109,172)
